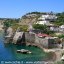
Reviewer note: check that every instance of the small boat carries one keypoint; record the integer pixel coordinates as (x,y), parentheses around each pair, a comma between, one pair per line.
(24,51)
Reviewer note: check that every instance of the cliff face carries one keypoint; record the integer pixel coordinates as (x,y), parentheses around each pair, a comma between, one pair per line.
(29,19)
(32,18)
(1,22)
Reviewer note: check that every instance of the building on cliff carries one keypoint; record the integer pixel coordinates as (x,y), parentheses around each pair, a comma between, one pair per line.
(45,19)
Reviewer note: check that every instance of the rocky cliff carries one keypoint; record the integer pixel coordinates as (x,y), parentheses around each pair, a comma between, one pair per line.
(30,18)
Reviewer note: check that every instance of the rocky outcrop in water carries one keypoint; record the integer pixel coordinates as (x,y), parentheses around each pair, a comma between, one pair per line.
(19,38)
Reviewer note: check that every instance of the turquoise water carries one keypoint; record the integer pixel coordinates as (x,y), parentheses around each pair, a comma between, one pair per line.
(8,52)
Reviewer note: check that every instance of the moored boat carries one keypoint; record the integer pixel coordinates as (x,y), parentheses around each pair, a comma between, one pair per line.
(24,51)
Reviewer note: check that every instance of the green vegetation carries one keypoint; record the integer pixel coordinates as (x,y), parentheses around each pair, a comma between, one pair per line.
(42,27)
(34,12)
(14,22)
(61,36)
(39,12)
(60,19)
(24,28)
(21,27)
(10,22)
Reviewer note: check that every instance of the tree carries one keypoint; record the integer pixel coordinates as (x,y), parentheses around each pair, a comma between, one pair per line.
(60,20)
(61,36)
(41,27)
(10,22)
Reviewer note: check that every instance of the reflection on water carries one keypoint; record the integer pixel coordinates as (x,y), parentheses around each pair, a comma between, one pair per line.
(8,52)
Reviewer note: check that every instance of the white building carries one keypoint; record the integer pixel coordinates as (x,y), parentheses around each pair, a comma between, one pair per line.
(61,28)
(46,18)
(43,22)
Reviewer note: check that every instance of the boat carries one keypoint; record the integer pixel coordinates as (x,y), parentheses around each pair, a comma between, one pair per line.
(24,51)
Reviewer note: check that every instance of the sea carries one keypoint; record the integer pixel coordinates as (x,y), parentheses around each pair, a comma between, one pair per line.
(9,55)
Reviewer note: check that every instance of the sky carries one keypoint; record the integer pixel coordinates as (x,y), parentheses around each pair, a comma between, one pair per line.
(17,8)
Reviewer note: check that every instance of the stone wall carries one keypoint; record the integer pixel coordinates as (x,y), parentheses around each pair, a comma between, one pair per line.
(33,39)
(40,42)
(30,37)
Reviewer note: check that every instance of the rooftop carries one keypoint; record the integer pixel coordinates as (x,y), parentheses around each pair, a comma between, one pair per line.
(43,35)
